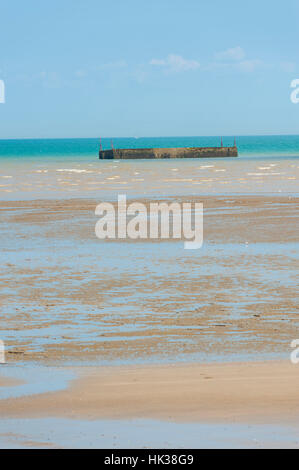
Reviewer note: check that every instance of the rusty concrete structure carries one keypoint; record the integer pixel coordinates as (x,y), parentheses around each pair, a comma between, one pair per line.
(161,153)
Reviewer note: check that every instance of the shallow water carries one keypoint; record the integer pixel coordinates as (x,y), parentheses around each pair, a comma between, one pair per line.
(147,301)
(132,434)
(34,380)
(35,169)
(66,298)
(132,302)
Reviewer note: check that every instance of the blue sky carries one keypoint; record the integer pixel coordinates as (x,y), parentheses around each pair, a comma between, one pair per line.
(75,68)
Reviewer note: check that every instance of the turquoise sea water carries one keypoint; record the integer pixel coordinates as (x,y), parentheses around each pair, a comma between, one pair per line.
(249,146)
(68,168)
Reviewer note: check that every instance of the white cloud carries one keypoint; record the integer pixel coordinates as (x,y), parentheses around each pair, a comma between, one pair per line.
(175,63)
(235,58)
(249,65)
(233,54)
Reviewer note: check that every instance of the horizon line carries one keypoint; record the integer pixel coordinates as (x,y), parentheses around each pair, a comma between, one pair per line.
(149,137)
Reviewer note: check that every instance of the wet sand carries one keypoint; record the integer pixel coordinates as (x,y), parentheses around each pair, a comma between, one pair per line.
(8,382)
(239,405)
(168,339)
(256,393)
(180,349)
(57,433)
(67,297)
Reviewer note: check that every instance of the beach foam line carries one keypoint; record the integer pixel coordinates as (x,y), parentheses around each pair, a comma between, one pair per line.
(73,170)
(265,174)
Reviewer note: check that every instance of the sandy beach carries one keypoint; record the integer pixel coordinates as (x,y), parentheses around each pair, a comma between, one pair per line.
(149,220)
(263,392)
(124,355)
(142,343)
(229,405)
(81,299)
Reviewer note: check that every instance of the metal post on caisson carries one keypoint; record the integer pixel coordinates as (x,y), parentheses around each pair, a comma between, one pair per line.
(112,147)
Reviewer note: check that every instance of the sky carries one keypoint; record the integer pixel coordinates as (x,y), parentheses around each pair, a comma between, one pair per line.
(90,68)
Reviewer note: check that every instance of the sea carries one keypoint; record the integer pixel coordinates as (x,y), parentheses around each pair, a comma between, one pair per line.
(68,168)
(234,299)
